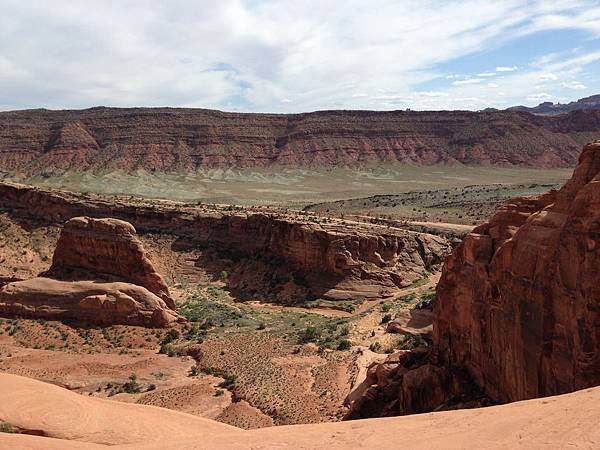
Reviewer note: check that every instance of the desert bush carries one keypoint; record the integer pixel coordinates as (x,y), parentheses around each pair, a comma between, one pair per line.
(427,300)
(386,318)
(132,386)
(344,344)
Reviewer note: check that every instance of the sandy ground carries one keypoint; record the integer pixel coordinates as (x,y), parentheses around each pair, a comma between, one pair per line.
(66,416)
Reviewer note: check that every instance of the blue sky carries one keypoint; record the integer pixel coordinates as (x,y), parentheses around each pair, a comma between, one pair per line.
(284,56)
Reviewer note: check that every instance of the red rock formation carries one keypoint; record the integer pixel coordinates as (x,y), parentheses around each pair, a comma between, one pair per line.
(519,303)
(107,247)
(88,302)
(518,309)
(283,257)
(99,275)
(173,139)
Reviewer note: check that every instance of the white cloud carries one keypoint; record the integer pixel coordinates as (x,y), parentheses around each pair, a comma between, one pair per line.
(492,85)
(254,55)
(467,81)
(540,97)
(574,85)
(548,76)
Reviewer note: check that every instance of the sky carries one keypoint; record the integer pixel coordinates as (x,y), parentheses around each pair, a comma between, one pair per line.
(297,55)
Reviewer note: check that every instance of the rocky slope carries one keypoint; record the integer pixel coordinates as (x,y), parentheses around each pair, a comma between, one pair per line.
(168,139)
(99,275)
(518,309)
(267,253)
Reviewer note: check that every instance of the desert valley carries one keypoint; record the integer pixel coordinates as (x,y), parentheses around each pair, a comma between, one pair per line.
(264,313)
(255,224)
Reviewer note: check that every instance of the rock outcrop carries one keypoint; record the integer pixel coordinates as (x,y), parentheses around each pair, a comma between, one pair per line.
(518,309)
(42,142)
(99,275)
(519,303)
(106,247)
(87,302)
(285,257)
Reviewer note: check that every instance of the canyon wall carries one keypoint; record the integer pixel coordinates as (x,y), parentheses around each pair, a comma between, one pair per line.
(519,303)
(43,142)
(287,257)
(517,314)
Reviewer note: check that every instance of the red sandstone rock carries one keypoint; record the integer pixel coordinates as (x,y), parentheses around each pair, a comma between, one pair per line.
(517,314)
(175,139)
(519,301)
(87,302)
(109,247)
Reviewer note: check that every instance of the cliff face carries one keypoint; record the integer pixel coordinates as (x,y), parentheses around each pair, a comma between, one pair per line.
(166,139)
(519,302)
(283,257)
(517,314)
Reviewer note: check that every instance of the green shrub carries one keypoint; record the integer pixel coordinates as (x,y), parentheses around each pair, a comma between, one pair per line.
(375,347)
(386,318)
(310,334)
(132,386)
(228,382)
(344,344)
(6,427)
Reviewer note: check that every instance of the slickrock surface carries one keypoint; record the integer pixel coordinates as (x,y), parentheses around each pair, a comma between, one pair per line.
(106,246)
(68,420)
(519,299)
(87,302)
(518,309)
(287,257)
(172,139)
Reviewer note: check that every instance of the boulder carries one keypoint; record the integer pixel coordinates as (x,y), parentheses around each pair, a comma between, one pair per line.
(86,302)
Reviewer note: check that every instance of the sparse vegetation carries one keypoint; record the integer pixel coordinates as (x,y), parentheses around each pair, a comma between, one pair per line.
(6,427)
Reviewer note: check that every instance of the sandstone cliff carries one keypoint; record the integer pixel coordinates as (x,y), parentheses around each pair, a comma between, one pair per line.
(271,255)
(175,139)
(518,309)
(518,301)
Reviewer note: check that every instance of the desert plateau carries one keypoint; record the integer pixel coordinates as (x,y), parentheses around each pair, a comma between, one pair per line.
(275,225)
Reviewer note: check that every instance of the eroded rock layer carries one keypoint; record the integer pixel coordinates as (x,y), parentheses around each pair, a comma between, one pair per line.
(272,255)
(99,275)
(175,139)
(519,299)
(85,301)
(518,309)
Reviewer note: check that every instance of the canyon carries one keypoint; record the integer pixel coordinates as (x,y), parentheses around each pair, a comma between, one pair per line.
(517,313)
(286,257)
(44,142)
(268,316)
